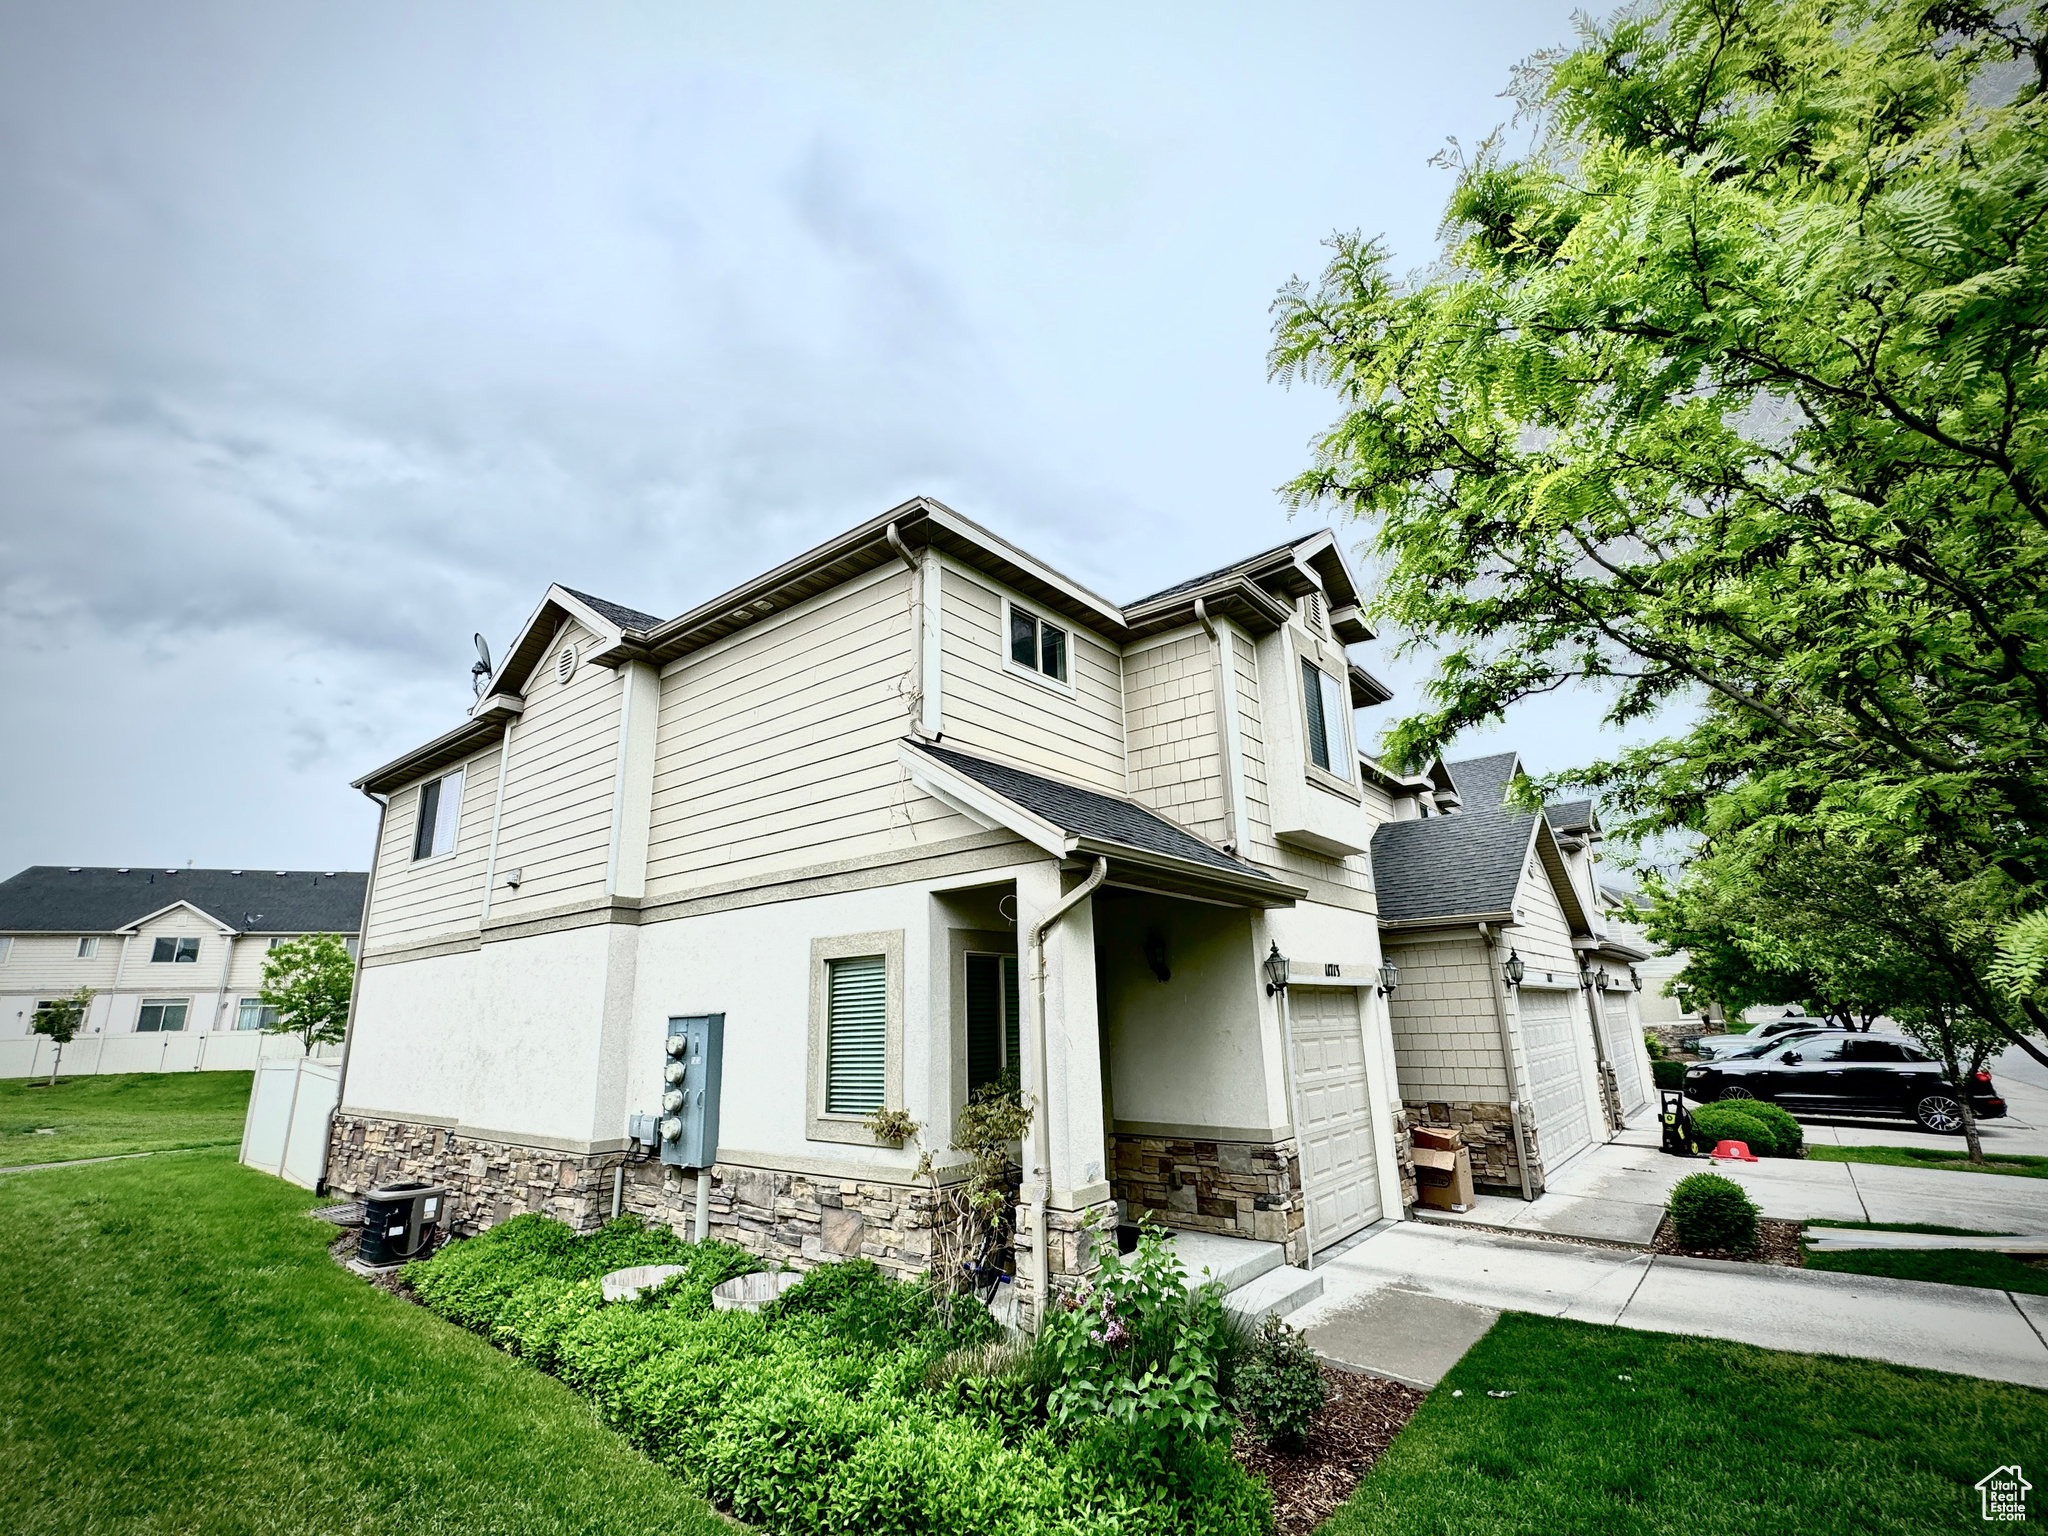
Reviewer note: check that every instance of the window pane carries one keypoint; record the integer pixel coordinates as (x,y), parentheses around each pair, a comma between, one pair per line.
(448,813)
(423,830)
(857,1035)
(1312,704)
(188,951)
(984,1020)
(87,948)
(163,952)
(1023,638)
(251,1014)
(1053,652)
(174,1017)
(166,1014)
(1335,715)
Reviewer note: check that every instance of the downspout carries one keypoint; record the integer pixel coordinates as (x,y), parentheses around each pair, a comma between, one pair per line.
(1041,1139)
(355,991)
(1507,1053)
(1232,833)
(917,622)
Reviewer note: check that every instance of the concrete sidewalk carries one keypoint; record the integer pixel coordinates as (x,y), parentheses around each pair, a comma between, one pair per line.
(1412,1298)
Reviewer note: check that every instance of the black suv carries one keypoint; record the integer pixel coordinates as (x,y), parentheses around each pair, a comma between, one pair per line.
(1847,1075)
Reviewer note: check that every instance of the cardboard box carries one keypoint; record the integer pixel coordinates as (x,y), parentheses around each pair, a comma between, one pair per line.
(1444,1179)
(1438,1138)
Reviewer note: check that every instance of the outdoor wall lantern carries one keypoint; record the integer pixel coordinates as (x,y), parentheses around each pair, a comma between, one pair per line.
(1155,956)
(1513,968)
(1635,978)
(1276,971)
(1390,978)
(1600,979)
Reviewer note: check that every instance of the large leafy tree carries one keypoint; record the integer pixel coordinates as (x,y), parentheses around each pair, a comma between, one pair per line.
(1728,394)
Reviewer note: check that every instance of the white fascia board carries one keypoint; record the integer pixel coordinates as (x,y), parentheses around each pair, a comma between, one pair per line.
(974,533)
(136,926)
(584,614)
(982,805)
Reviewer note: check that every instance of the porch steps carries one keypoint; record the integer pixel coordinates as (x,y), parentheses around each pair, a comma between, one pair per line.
(1234,1261)
(1278,1291)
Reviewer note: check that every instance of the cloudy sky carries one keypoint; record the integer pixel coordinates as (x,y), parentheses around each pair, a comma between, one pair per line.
(329,335)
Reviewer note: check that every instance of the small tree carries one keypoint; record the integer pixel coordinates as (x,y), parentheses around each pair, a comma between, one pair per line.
(61,1020)
(308,981)
(1962,1043)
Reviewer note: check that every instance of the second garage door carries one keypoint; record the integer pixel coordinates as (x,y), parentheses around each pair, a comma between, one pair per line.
(1339,1162)
(1557,1080)
(1622,1051)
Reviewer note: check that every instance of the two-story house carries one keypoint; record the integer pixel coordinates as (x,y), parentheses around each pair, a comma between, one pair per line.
(166,951)
(909,810)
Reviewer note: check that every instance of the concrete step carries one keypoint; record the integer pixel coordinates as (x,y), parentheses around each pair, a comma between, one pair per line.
(1278,1291)
(1234,1261)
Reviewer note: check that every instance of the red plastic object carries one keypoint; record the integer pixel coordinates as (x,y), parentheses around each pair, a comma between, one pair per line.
(1738,1151)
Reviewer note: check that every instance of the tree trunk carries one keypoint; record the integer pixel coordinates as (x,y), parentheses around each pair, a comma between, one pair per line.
(1970,1127)
(56,1063)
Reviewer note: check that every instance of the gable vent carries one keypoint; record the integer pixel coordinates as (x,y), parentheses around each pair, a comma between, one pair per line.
(1312,610)
(565,663)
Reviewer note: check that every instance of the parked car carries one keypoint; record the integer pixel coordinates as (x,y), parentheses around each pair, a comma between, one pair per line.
(1845,1074)
(1720,1047)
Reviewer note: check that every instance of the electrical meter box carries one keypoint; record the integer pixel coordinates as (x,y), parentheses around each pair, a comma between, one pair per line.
(691,1077)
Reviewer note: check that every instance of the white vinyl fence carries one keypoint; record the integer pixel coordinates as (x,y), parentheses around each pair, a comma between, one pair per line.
(213,1051)
(290,1109)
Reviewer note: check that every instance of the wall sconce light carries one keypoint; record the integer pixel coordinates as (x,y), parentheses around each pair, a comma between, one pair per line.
(1514,969)
(1600,979)
(1390,978)
(1155,955)
(1275,965)
(1635,978)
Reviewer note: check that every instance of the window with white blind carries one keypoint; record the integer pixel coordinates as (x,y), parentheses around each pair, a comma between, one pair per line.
(250,1014)
(88,947)
(440,813)
(992,1020)
(856,1062)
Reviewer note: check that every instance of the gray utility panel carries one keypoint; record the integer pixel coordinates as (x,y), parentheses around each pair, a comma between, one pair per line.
(691,1078)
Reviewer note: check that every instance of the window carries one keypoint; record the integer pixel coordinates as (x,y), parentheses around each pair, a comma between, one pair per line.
(856,1035)
(274,943)
(251,1014)
(174,952)
(1037,645)
(992,1020)
(87,948)
(1822,1049)
(1323,702)
(6,948)
(440,809)
(161,1015)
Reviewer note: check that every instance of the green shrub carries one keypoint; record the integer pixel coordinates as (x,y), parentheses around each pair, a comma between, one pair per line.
(1279,1385)
(1735,1120)
(1668,1074)
(1712,1213)
(1653,1044)
(1787,1133)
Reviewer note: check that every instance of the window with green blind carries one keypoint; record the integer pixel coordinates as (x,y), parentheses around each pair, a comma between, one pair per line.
(856,1035)
(993,1015)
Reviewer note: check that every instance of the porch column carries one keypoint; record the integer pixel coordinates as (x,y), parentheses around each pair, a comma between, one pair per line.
(1075,1175)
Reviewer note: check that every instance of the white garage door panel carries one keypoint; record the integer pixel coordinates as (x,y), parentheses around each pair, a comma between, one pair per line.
(1622,1051)
(1340,1164)
(1557,1085)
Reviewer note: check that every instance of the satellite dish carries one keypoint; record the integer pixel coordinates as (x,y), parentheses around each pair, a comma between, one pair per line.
(480,674)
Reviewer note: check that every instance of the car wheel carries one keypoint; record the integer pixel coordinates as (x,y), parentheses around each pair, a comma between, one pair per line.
(1939,1113)
(1734,1092)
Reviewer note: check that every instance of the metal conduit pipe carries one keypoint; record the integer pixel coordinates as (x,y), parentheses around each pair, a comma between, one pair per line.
(1507,1053)
(1041,1136)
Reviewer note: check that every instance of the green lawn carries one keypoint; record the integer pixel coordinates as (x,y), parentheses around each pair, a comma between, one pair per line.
(1612,1432)
(122,1112)
(179,1354)
(1927,1157)
(1986,1271)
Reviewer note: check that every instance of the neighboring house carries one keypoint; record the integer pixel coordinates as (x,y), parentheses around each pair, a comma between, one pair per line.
(1623,907)
(166,951)
(836,805)
(1472,893)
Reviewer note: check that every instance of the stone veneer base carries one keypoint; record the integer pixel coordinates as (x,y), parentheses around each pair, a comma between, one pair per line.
(1248,1189)
(1488,1132)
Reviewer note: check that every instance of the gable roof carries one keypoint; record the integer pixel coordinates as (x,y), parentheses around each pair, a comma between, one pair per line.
(50,898)
(631,619)
(1482,782)
(1245,567)
(1572,816)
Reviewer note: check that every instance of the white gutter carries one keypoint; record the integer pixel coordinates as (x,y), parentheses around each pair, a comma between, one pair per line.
(355,991)
(1041,1141)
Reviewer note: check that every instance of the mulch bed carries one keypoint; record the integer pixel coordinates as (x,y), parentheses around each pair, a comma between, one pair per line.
(1777,1242)
(1360,1420)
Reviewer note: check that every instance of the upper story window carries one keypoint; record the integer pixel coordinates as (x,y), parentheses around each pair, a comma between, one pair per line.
(174,952)
(1329,734)
(1037,645)
(88,947)
(440,811)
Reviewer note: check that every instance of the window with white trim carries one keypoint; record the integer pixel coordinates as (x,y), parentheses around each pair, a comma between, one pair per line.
(440,812)
(856,1034)
(174,952)
(1036,644)
(162,1015)
(6,949)
(251,1014)
(88,947)
(992,1020)
(1329,731)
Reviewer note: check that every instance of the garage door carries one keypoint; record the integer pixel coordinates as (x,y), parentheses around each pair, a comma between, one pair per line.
(1557,1083)
(1627,1058)
(1339,1163)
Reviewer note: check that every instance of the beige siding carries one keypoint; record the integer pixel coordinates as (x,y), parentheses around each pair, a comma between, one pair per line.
(1541,932)
(1446,1031)
(555,827)
(990,708)
(778,750)
(48,965)
(1171,725)
(417,900)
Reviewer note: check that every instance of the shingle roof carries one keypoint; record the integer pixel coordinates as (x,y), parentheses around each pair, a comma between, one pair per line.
(1221,571)
(1084,813)
(1483,781)
(49,898)
(618,613)
(1450,866)
(1572,814)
